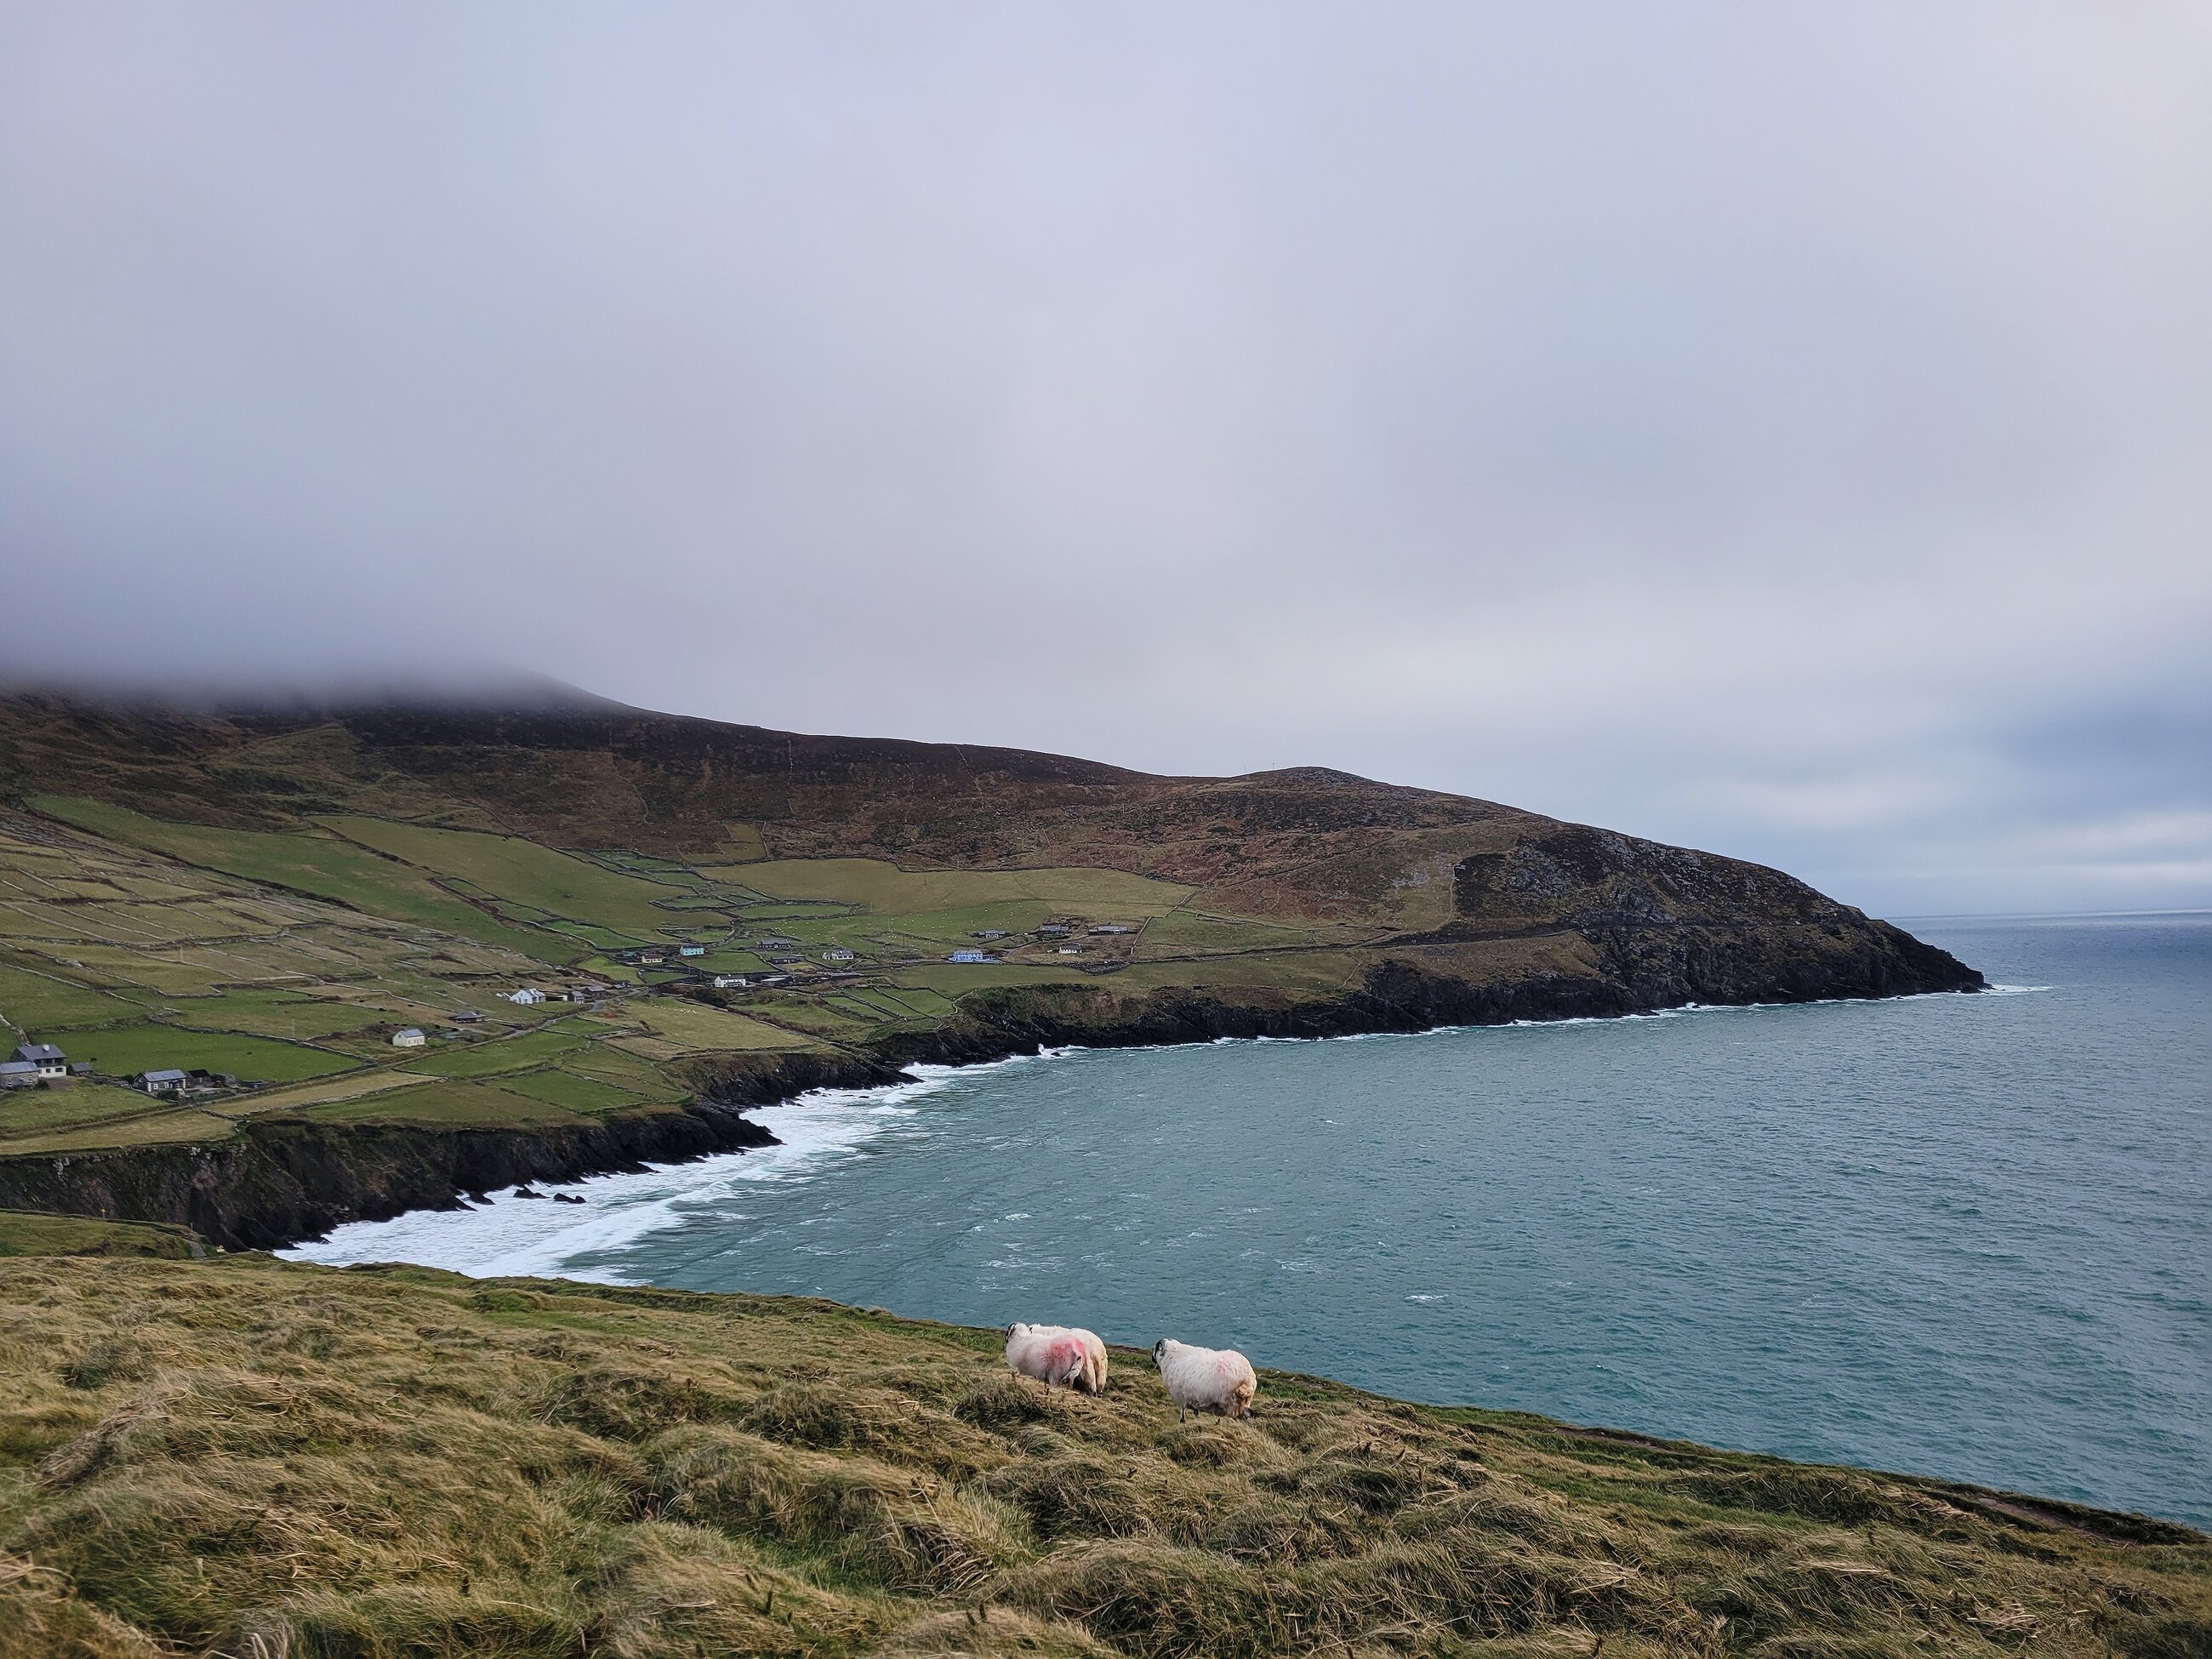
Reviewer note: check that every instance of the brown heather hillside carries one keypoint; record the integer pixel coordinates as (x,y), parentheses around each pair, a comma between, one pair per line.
(1373,862)
(241,1458)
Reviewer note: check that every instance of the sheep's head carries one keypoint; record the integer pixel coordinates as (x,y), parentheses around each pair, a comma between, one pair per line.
(1159,1348)
(1014,1330)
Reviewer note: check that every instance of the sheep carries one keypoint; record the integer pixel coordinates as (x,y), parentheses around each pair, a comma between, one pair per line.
(1206,1379)
(1055,1354)
(1094,1356)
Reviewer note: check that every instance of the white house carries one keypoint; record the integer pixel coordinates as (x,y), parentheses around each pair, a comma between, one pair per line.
(525,995)
(410,1038)
(837,953)
(690,950)
(51,1061)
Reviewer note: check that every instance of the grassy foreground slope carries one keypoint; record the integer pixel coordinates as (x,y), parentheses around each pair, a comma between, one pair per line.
(237,1456)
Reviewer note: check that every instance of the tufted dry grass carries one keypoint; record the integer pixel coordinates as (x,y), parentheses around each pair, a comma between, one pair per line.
(241,1457)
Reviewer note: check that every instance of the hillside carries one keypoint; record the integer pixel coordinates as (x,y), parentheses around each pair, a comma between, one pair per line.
(725,915)
(236,1456)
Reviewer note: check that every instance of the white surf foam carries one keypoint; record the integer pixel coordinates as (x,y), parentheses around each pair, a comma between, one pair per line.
(514,1236)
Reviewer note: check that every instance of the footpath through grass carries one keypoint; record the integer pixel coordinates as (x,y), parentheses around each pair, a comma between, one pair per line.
(238,1456)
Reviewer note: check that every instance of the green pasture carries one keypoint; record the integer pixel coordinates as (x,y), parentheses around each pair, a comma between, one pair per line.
(446,1102)
(695,1027)
(521,871)
(325,865)
(23,1232)
(71,1105)
(632,1073)
(507,1054)
(287,1015)
(952,979)
(817,1020)
(569,1090)
(120,1050)
(35,1003)
(159,1127)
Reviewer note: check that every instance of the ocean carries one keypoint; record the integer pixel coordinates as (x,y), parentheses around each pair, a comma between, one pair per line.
(1960,1235)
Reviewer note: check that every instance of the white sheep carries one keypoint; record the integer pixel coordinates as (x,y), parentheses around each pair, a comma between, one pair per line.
(1055,1354)
(1206,1379)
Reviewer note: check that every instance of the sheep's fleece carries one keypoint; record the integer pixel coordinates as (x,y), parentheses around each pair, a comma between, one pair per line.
(1206,1379)
(1058,1353)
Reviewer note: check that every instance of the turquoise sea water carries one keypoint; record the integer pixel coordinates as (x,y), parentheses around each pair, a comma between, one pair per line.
(1962,1236)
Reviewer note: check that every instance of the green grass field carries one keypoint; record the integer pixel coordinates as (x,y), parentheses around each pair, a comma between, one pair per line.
(35,1003)
(693,1028)
(75,1105)
(576,889)
(289,1015)
(25,1233)
(507,1054)
(325,865)
(120,1050)
(571,1089)
(450,1102)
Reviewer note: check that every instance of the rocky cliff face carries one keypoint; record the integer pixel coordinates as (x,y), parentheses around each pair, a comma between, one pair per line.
(278,1182)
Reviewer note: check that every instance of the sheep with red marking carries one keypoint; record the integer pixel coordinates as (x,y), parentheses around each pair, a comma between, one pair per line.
(1206,1379)
(1056,1355)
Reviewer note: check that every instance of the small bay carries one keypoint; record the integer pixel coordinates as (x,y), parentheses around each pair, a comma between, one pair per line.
(1968,1236)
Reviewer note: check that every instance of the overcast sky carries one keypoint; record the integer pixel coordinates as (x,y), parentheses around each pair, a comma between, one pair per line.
(1786,430)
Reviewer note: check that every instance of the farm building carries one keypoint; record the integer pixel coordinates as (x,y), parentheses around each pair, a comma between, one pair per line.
(989,933)
(690,950)
(1052,930)
(971,956)
(525,995)
(468,1016)
(412,1037)
(18,1074)
(51,1061)
(837,953)
(168,1081)
(1112,928)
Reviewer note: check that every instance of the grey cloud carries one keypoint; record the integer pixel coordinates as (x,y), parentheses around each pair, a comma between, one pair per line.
(1782,430)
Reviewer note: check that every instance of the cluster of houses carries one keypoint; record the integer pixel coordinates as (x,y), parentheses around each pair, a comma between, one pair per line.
(1055,933)
(658,956)
(36,1063)
(172,1080)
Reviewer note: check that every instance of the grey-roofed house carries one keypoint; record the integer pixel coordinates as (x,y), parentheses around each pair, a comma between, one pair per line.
(51,1061)
(167,1081)
(18,1074)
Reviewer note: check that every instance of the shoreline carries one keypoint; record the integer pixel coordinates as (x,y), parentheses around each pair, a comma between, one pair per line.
(285,1181)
